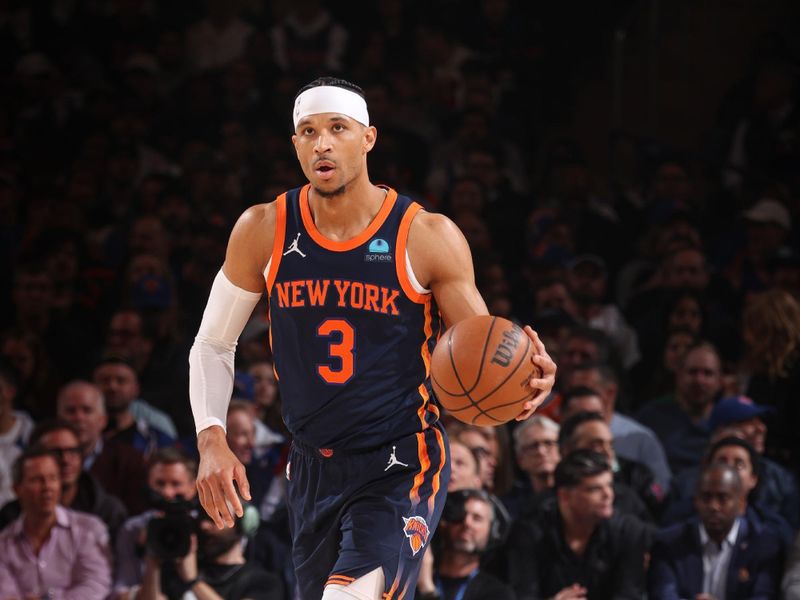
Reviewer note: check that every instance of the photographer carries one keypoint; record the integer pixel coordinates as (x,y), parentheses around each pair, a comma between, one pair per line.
(472,524)
(213,569)
(171,484)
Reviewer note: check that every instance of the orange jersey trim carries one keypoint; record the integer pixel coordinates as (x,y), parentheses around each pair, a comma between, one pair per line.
(425,463)
(340,580)
(426,359)
(400,256)
(437,482)
(277,244)
(355,242)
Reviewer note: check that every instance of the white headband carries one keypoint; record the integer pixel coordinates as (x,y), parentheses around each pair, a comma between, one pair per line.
(330,99)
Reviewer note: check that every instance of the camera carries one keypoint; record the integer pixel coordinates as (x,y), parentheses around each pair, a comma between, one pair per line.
(169,536)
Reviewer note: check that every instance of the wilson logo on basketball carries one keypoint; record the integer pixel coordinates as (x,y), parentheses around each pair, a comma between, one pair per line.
(507,347)
(417,532)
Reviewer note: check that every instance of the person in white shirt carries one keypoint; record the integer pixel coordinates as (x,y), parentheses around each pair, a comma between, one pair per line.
(15,429)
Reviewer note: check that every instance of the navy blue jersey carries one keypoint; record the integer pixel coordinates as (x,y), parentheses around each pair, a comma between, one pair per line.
(351,336)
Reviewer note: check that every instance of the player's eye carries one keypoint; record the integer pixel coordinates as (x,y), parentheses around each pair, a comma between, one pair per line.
(308,131)
(338,127)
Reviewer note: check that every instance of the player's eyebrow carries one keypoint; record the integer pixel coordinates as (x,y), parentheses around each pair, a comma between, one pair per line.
(335,118)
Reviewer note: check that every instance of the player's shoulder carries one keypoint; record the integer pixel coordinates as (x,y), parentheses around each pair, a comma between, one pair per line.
(432,226)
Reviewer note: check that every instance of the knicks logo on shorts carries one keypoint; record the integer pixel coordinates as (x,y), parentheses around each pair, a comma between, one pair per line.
(417,532)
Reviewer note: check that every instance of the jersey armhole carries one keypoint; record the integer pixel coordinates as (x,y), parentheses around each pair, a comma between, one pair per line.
(274,262)
(405,274)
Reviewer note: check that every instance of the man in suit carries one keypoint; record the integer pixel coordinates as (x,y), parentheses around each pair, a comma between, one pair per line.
(717,555)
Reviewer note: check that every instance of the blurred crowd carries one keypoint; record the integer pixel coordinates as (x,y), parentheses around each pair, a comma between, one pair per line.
(666,286)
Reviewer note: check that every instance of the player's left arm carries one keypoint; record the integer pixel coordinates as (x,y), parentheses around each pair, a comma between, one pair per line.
(442,262)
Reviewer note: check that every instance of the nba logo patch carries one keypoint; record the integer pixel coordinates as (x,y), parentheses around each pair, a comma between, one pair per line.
(417,532)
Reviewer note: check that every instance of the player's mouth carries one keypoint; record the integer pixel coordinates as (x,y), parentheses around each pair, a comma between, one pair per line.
(324,169)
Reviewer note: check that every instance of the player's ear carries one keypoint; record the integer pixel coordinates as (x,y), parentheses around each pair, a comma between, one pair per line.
(370,137)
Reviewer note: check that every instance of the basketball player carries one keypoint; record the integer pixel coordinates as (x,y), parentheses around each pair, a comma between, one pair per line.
(358,278)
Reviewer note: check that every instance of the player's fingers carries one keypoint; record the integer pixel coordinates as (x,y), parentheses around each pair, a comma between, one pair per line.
(209,504)
(537,343)
(240,476)
(545,363)
(232,502)
(217,504)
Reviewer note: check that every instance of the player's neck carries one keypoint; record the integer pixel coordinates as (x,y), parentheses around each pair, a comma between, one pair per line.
(346,215)
(458,564)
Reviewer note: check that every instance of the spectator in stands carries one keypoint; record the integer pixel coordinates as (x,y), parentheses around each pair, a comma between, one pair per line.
(79,490)
(632,440)
(480,441)
(771,331)
(679,420)
(717,554)
(214,567)
(266,397)
(118,382)
(261,466)
(116,465)
(170,478)
(464,468)
(219,38)
(50,551)
(587,277)
(589,431)
(158,363)
(536,452)
(581,547)
(736,452)
(15,428)
(38,376)
(777,489)
(467,531)
(791,578)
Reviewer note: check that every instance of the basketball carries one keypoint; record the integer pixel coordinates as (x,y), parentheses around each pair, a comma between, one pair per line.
(480,370)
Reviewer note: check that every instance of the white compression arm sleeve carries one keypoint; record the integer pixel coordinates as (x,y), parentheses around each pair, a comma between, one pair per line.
(211,357)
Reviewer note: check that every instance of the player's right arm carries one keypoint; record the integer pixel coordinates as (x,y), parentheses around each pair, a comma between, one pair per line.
(236,290)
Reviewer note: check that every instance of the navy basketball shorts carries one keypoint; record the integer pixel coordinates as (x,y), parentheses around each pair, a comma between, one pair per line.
(351,513)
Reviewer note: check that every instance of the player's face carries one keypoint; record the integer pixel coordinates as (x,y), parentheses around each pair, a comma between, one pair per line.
(332,150)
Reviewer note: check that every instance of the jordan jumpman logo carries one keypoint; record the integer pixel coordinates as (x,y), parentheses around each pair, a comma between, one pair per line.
(294,248)
(393,460)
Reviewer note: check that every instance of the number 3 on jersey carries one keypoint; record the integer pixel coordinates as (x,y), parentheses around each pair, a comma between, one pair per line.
(342,342)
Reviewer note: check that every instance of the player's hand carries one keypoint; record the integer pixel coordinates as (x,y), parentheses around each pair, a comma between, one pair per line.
(219,468)
(573,592)
(545,383)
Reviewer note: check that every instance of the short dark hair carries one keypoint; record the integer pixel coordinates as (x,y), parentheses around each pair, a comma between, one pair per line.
(578,391)
(172,456)
(115,360)
(49,426)
(578,465)
(331,81)
(606,371)
(569,426)
(731,440)
(30,453)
